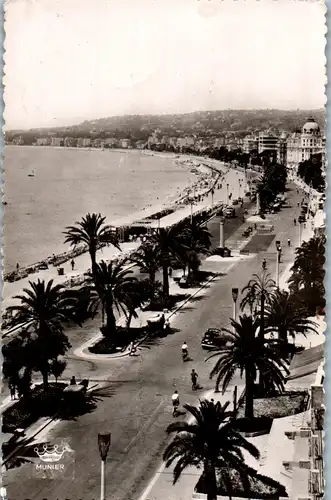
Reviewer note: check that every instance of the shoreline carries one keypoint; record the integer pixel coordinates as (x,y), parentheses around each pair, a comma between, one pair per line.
(202,185)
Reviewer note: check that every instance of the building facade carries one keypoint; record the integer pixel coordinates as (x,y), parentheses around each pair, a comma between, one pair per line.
(43,141)
(250,143)
(302,145)
(267,142)
(57,142)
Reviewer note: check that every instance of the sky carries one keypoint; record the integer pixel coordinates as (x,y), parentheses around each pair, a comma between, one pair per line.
(72,60)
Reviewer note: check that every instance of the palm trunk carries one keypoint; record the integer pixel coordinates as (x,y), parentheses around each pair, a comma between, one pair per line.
(45,379)
(261,332)
(110,321)
(249,396)
(210,475)
(93,252)
(129,319)
(165,281)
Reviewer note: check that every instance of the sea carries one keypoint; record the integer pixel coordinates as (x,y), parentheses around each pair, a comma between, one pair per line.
(47,189)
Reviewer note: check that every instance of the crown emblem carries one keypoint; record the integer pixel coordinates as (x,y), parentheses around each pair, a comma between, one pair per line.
(53,453)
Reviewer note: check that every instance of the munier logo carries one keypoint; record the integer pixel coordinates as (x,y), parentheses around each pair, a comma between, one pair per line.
(52,454)
(55,460)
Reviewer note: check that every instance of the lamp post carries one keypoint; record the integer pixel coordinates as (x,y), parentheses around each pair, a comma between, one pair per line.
(227,193)
(222,220)
(300,233)
(279,249)
(235,292)
(104,444)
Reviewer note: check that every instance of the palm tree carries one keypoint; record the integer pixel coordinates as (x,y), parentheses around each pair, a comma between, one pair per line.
(43,310)
(111,286)
(285,314)
(307,279)
(211,442)
(196,237)
(168,241)
(259,290)
(148,259)
(247,352)
(92,231)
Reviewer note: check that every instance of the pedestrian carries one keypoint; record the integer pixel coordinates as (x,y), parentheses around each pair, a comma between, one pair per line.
(194,379)
(17,266)
(12,391)
(298,203)
(170,272)
(175,403)
(73,380)
(289,242)
(72,264)
(295,222)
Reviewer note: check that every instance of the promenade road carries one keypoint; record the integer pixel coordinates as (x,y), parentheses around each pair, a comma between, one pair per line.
(135,403)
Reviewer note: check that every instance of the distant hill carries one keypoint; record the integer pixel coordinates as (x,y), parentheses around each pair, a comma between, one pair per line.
(199,123)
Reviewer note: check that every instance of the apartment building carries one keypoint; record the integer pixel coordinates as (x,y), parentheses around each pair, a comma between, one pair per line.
(307,464)
(57,142)
(69,142)
(43,141)
(267,142)
(250,143)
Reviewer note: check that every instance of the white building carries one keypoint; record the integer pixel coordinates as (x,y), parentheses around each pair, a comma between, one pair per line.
(57,141)
(301,146)
(267,142)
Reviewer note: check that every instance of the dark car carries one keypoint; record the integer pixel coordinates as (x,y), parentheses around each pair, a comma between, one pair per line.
(301,219)
(248,193)
(235,202)
(229,212)
(212,339)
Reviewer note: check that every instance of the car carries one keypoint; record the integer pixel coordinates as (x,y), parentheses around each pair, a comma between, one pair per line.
(229,212)
(212,339)
(235,202)
(301,219)
(248,193)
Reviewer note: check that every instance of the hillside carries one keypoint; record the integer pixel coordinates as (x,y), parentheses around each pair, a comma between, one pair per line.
(199,123)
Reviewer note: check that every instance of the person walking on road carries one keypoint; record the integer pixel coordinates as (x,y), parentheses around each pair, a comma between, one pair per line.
(194,379)
(289,242)
(73,380)
(175,403)
(12,389)
(295,222)
(72,264)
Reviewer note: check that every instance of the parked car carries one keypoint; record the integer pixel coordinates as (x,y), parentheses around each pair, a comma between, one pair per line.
(230,212)
(212,339)
(235,202)
(301,219)
(248,193)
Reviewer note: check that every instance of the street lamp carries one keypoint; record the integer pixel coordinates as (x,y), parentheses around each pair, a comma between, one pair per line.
(104,444)
(222,220)
(227,193)
(279,249)
(235,292)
